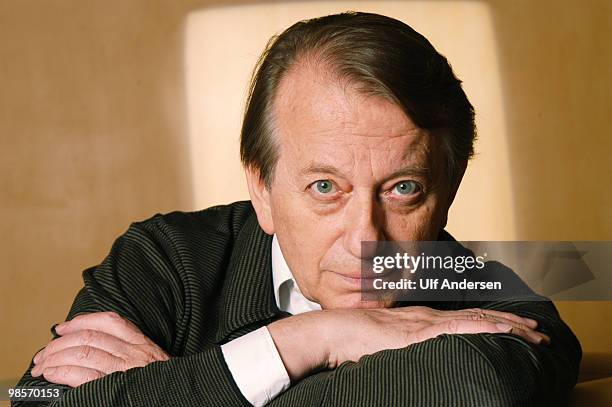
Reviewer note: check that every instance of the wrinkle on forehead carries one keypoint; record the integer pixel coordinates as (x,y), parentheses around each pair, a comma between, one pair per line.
(319,119)
(374,164)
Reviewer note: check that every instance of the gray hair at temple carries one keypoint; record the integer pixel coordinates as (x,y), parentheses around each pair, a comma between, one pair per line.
(384,57)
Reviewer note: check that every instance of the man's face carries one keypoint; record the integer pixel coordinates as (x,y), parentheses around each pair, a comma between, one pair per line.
(351,168)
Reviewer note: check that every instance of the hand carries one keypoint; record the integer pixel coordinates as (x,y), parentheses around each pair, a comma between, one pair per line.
(325,339)
(92,346)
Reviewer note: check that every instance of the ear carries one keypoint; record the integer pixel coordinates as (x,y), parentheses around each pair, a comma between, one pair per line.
(260,198)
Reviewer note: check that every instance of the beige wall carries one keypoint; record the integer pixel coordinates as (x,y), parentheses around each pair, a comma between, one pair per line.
(111,111)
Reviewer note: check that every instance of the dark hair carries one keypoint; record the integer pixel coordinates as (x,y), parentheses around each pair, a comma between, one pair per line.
(384,57)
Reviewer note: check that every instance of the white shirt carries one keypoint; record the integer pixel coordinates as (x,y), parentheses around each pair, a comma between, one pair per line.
(253,359)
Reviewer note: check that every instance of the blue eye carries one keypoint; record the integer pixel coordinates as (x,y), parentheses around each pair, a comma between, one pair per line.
(324,186)
(406,188)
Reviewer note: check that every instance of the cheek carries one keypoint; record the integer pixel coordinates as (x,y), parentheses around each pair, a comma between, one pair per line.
(306,239)
(421,224)
(294,220)
(306,258)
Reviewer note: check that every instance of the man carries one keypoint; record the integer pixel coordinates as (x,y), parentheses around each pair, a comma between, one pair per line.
(356,130)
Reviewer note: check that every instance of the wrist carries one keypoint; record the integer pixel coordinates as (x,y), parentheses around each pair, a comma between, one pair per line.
(302,343)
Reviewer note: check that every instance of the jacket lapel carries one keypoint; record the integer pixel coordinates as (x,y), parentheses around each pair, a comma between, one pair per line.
(247,296)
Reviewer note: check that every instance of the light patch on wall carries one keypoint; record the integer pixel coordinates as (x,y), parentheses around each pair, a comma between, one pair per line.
(222,45)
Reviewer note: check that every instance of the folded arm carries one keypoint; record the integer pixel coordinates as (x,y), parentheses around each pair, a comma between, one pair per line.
(141,281)
(467,369)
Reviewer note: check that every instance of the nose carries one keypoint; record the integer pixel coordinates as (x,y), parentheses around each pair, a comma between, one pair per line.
(363,221)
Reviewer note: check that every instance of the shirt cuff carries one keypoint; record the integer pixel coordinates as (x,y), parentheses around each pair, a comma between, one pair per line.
(256,366)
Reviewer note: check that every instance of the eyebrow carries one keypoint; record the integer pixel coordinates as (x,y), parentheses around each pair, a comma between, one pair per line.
(410,171)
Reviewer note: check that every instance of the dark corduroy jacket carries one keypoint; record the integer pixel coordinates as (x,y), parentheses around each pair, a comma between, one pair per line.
(194,280)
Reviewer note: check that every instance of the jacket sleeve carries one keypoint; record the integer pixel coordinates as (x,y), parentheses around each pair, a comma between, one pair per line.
(142,280)
(467,370)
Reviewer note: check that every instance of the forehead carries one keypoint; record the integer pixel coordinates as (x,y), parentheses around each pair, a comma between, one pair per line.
(319,116)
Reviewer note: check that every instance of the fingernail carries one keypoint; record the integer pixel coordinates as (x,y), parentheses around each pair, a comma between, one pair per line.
(34,371)
(532,322)
(37,357)
(503,327)
(58,327)
(50,370)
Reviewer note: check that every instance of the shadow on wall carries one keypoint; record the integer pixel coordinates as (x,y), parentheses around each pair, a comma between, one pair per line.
(555,63)
(93,135)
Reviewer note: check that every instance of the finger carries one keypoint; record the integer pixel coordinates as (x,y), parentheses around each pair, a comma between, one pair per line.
(523,330)
(483,316)
(108,322)
(72,376)
(459,326)
(477,313)
(517,324)
(528,322)
(96,339)
(538,338)
(84,356)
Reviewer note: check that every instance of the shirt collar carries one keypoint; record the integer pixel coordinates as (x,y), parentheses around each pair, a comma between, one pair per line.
(287,294)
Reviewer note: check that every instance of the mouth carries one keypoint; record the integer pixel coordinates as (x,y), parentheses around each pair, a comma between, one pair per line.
(357,281)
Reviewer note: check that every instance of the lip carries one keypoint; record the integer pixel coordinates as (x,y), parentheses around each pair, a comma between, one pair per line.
(356,281)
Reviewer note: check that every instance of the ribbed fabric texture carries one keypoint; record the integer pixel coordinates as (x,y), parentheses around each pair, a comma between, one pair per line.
(194,280)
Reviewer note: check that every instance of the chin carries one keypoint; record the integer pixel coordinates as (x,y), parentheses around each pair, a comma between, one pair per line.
(354,301)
